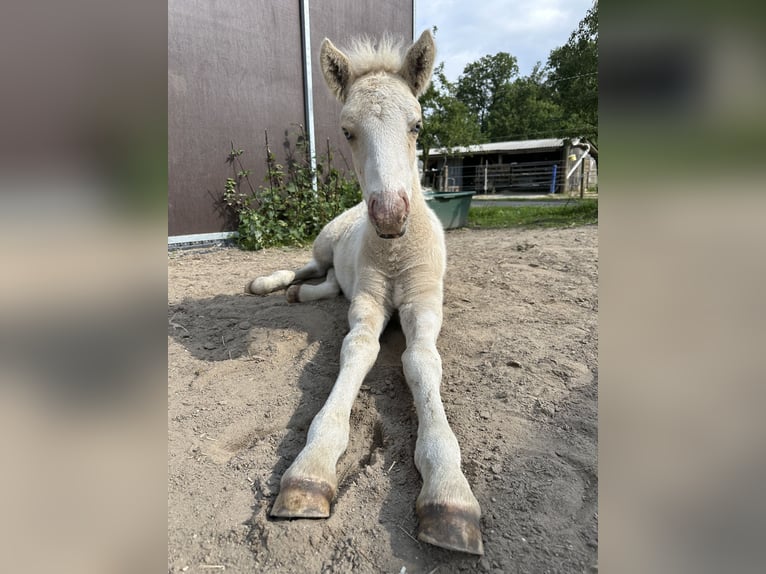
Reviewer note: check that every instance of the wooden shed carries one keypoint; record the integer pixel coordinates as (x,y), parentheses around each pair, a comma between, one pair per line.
(239,68)
(551,165)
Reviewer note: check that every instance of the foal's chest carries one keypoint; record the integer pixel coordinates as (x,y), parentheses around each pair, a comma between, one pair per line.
(401,276)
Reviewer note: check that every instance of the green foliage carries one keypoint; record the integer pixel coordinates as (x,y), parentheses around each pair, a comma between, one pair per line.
(523,109)
(447,121)
(295,203)
(573,78)
(583,212)
(482,81)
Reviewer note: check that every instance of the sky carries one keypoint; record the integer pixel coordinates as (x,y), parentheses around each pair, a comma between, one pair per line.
(470,29)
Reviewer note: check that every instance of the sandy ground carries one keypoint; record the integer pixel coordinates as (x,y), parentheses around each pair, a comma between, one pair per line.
(247,374)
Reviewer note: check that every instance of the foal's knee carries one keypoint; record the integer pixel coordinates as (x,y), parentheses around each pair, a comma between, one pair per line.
(420,358)
(360,343)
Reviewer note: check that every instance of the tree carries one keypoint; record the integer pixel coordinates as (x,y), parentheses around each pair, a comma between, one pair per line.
(524,110)
(573,78)
(447,122)
(482,81)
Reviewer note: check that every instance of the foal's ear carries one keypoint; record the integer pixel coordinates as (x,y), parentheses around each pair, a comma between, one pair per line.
(335,68)
(419,63)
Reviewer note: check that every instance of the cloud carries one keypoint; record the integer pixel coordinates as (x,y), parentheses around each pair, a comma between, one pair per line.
(527,29)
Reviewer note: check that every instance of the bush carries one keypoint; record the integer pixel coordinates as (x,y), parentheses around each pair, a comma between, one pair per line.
(296,202)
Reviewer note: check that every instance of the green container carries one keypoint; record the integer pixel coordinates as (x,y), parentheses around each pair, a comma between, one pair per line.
(450,208)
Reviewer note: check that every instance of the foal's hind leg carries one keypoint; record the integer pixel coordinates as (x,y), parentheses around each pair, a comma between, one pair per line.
(307,292)
(284,278)
(317,267)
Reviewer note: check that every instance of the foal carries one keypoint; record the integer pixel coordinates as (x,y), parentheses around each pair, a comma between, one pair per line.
(386,254)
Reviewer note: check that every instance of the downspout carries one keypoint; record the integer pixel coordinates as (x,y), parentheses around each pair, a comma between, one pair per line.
(580,160)
(308,91)
(414,20)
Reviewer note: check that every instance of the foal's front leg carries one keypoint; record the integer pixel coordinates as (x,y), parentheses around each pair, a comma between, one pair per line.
(447,509)
(309,485)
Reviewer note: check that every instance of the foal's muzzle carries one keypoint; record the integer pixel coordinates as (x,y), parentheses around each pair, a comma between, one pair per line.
(388,211)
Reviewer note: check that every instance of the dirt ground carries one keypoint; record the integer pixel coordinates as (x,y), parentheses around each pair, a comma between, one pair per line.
(246,375)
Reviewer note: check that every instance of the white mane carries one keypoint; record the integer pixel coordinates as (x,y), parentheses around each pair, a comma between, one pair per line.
(369,55)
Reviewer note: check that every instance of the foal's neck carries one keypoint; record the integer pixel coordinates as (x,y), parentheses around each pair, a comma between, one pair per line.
(417,201)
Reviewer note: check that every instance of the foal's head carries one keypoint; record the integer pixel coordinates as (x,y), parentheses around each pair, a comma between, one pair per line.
(381,120)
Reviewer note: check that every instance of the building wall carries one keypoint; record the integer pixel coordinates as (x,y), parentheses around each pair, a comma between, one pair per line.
(235,69)
(229,79)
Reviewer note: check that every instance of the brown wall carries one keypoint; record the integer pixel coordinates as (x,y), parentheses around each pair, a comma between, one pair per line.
(235,70)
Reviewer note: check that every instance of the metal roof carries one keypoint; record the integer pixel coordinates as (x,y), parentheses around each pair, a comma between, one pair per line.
(542,145)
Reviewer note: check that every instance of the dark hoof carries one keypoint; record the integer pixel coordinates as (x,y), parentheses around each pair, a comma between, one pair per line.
(292,293)
(451,528)
(247,287)
(299,498)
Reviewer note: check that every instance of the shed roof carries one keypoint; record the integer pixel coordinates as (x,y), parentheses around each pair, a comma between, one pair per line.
(531,145)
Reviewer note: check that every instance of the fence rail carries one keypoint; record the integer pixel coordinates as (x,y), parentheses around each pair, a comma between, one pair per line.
(532,176)
(538,176)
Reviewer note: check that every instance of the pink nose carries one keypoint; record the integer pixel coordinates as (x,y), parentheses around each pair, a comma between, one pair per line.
(388,212)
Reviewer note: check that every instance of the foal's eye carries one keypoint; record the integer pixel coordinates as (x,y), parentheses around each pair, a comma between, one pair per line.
(347,134)
(416,128)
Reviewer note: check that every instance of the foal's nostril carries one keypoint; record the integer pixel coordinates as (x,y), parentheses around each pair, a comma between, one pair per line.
(406,200)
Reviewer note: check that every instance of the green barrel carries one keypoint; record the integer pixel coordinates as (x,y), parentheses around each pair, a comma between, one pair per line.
(450,208)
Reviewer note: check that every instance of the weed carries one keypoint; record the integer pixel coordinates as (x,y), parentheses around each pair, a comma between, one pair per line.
(295,203)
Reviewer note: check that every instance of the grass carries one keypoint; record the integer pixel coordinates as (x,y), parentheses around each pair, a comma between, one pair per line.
(583,212)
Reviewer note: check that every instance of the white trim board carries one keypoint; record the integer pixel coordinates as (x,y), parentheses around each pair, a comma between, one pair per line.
(201,237)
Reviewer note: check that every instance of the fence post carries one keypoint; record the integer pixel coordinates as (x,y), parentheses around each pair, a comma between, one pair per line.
(445,177)
(553,178)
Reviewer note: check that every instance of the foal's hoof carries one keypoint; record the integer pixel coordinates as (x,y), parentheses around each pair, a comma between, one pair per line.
(292,293)
(255,287)
(300,498)
(258,286)
(451,528)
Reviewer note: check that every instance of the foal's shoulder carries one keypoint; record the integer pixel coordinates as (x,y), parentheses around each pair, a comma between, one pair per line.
(346,220)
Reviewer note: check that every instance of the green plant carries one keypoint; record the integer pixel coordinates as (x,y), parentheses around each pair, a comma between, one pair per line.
(295,203)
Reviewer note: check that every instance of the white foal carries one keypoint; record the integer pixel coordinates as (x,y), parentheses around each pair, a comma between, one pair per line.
(385,254)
